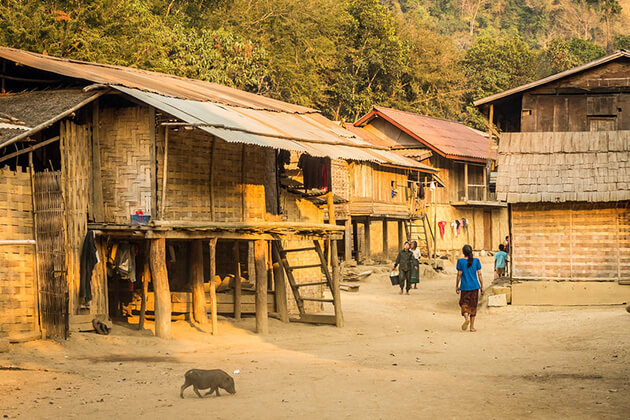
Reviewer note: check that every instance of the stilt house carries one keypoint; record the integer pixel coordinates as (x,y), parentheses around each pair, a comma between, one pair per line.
(459,204)
(132,193)
(564,170)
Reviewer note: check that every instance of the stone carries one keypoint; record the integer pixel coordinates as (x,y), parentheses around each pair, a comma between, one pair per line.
(501,290)
(497,300)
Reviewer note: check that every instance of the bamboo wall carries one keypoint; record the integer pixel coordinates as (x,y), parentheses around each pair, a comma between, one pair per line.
(126,161)
(75,141)
(205,172)
(371,190)
(18,304)
(572,242)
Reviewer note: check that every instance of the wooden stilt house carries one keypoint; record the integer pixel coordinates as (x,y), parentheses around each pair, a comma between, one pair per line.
(160,196)
(564,170)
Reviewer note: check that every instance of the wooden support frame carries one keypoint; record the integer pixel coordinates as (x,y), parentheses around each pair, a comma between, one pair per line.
(212,245)
(237,281)
(159,275)
(200,314)
(262,320)
(280,287)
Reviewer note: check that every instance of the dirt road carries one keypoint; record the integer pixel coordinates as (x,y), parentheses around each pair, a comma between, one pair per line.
(397,357)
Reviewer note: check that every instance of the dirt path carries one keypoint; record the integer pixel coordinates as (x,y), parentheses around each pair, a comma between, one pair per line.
(397,357)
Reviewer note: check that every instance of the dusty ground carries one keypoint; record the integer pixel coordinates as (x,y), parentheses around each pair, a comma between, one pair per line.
(397,357)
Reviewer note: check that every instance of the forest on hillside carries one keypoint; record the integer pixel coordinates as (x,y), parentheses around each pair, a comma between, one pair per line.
(341,56)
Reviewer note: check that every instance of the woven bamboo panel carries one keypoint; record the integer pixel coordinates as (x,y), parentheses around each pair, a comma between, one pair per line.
(17,263)
(126,149)
(570,242)
(192,156)
(75,156)
(51,243)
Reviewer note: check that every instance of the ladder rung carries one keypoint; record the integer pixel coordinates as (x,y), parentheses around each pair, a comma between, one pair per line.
(318,283)
(298,267)
(311,248)
(318,299)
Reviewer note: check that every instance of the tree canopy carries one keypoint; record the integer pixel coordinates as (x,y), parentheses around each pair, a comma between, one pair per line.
(340,56)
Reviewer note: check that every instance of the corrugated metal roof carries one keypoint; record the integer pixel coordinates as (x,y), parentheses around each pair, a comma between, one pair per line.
(309,133)
(519,89)
(164,84)
(450,139)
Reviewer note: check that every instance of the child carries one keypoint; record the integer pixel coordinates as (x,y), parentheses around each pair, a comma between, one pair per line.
(500,259)
(469,283)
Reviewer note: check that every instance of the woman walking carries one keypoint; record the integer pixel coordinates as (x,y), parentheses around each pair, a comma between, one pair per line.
(469,284)
(415,264)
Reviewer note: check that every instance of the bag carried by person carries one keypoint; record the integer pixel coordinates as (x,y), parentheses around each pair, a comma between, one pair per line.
(394,278)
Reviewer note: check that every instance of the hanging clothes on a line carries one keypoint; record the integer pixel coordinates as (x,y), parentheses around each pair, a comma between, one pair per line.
(464,223)
(442,226)
(421,191)
(315,171)
(89,259)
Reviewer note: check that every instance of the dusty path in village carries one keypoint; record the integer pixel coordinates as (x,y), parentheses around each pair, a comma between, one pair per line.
(397,357)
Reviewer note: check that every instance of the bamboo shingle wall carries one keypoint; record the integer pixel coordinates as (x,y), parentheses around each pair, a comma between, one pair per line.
(564,166)
(18,305)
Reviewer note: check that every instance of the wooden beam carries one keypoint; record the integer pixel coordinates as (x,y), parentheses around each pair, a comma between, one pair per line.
(37,318)
(211,181)
(347,239)
(280,287)
(213,287)
(385,239)
(401,238)
(162,291)
(146,278)
(334,262)
(97,184)
(12,242)
(29,149)
(262,321)
(465,182)
(164,176)
(237,281)
(366,232)
(200,314)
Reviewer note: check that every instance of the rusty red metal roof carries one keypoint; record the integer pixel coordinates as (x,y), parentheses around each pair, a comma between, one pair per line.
(149,81)
(449,139)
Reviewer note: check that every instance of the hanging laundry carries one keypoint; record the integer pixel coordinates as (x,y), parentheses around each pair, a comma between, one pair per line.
(464,222)
(126,262)
(421,192)
(89,259)
(313,169)
(442,226)
(459,226)
(454,227)
(432,187)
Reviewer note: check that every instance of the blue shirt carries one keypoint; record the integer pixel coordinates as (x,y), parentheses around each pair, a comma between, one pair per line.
(500,258)
(469,279)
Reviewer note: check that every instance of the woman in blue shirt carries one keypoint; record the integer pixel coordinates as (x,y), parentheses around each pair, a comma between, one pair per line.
(469,283)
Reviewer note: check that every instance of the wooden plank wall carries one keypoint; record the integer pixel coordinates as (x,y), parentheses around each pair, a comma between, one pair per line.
(574,242)
(126,161)
(76,173)
(18,305)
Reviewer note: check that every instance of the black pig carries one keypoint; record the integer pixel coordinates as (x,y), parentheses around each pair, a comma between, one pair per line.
(204,379)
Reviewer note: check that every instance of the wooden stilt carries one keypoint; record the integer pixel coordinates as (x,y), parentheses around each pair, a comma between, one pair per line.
(262,321)
(401,237)
(347,240)
(198,293)
(368,241)
(334,262)
(146,278)
(280,287)
(385,240)
(237,282)
(213,287)
(161,288)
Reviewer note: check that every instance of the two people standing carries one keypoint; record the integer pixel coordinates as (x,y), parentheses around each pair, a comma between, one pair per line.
(408,262)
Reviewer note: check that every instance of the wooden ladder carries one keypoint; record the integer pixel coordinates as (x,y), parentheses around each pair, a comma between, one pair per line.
(325,280)
(421,233)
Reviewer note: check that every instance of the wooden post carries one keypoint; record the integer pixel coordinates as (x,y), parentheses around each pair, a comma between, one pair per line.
(280,286)
(435,223)
(237,281)
(334,262)
(200,314)
(146,278)
(466,182)
(212,244)
(385,240)
(368,251)
(490,131)
(347,240)
(97,185)
(401,237)
(37,319)
(161,289)
(262,321)
(164,175)
(485,185)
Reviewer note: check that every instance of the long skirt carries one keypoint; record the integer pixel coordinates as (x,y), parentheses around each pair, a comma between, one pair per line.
(415,271)
(468,300)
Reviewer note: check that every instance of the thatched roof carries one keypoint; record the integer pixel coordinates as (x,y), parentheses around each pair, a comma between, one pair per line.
(564,166)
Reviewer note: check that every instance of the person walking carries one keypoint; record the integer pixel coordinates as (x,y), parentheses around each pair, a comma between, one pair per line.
(415,264)
(500,258)
(404,260)
(468,285)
